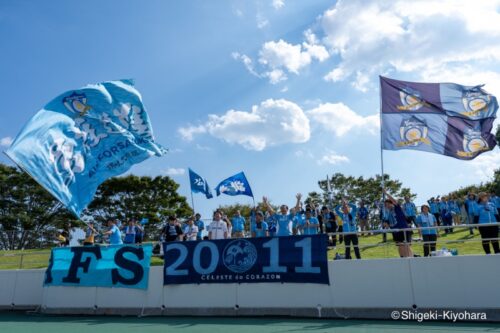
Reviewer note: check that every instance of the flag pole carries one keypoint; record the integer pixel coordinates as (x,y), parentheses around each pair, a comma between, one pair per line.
(381,140)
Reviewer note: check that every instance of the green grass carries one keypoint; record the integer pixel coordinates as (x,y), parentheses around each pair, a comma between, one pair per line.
(372,247)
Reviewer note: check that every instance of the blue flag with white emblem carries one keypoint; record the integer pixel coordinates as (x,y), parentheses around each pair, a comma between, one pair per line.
(199,184)
(234,185)
(83,137)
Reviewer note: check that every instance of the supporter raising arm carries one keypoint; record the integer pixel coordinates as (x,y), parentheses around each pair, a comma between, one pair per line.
(283,218)
(347,212)
(397,220)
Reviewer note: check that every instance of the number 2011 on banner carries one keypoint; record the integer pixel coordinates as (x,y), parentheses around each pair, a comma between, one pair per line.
(274,258)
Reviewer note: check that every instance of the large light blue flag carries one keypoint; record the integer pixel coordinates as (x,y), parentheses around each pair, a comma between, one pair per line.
(234,185)
(199,184)
(83,137)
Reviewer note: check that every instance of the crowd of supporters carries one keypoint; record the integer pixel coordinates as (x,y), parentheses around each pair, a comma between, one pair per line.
(344,222)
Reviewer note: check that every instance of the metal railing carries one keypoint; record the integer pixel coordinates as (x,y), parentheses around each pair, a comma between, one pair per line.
(38,259)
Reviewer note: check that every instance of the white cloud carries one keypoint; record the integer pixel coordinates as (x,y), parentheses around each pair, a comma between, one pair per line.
(175,172)
(6,141)
(188,133)
(340,119)
(278,4)
(279,58)
(271,123)
(333,158)
(417,36)
(485,164)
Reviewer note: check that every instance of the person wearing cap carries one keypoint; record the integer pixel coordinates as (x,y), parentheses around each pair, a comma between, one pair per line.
(172,231)
(90,233)
(259,226)
(347,212)
(487,214)
(427,220)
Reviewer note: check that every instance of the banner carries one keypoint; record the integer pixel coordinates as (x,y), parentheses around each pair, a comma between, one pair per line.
(442,118)
(83,137)
(298,259)
(118,266)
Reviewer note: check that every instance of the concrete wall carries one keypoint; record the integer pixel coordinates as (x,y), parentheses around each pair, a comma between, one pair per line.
(359,288)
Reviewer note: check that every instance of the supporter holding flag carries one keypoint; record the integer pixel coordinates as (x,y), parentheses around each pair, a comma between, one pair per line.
(115,236)
(218,228)
(283,219)
(330,224)
(397,220)
(309,224)
(429,236)
(487,214)
(259,227)
(410,211)
(347,212)
(238,223)
(172,231)
(200,225)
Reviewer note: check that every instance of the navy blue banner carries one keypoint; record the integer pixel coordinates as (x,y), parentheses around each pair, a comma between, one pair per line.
(299,259)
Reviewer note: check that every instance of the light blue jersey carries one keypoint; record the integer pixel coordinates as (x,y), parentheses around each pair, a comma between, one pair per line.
(348,220)
(486,212)
(115,238)
(312,229)
(238,223)
(260,231)
(433,207)
(425,221)
(410,209)
(284,224)
(201,226)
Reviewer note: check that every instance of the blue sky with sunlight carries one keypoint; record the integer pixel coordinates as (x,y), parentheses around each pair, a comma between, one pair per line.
(286,91)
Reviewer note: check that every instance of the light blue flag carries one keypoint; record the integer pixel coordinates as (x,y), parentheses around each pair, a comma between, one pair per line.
(234,185)
(83,137)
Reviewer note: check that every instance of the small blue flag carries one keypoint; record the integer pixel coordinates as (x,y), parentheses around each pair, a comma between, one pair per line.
(144,221)
(199,184)
(83,137)
(235,185)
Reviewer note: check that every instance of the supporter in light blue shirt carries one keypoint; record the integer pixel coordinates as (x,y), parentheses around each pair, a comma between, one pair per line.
(115,236)
(409,208)
(347,212)
(297,220)
(284,220)
(259,228)
(201,226)
(487,213)
(238,223)
(309,224)
(429,236)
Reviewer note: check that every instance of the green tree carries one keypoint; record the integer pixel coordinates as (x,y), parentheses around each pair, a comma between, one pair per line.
(29,215)
(138,197)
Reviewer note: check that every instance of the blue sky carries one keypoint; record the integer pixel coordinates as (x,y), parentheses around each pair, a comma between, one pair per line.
(286,91)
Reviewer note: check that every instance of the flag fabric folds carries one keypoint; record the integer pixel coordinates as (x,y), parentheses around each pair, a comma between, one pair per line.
(234,185)
(442,118)
(199,184)
(82,137)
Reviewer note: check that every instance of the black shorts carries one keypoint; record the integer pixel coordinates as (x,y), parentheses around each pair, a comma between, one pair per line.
(399,236)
